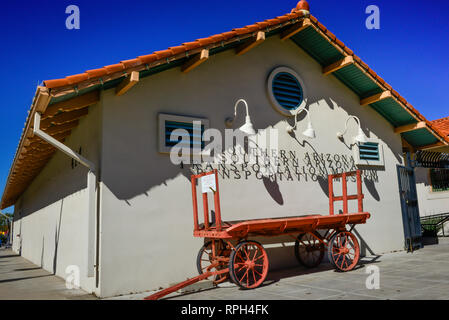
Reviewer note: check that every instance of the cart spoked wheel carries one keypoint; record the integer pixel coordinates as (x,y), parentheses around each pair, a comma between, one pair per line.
(248,264)
(309,250)
(206,262)
(343,251)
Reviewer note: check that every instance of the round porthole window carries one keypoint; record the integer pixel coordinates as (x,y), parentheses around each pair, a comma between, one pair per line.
(286,91)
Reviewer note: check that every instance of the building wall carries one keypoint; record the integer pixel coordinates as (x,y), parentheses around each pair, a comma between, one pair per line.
(50,218)
(430,202)
(146,202)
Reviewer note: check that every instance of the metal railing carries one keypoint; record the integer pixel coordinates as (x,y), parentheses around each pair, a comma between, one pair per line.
(431,225)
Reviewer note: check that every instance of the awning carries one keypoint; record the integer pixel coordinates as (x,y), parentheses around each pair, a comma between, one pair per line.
(427,159)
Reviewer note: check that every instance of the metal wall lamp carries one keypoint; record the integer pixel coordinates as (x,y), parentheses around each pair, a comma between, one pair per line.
(360,137)
(309,132)
(248,127)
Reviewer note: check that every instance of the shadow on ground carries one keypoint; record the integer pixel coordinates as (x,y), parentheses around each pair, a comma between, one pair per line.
(275,276)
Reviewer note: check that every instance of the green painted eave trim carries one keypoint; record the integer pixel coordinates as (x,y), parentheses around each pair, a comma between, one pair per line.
(420,138)
(317,47)
(393,112)
(357,81)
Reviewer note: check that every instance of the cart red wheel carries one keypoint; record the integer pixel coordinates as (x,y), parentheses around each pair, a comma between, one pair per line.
(248,264)
(205,259)
(343,251)
(309,250)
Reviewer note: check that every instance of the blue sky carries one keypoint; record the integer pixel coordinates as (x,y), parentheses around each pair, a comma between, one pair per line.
(409,51)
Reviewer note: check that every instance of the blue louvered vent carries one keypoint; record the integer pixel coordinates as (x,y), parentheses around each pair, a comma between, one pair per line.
(369,151)
(195,137)
(287,91)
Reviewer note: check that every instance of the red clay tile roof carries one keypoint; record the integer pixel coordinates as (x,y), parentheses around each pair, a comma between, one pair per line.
(442,125)
(110,72)
(60,87)
(126,65)
(301,11)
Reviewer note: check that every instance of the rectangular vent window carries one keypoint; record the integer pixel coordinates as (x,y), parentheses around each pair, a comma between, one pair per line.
(194,134)
(369,151)
(191,131)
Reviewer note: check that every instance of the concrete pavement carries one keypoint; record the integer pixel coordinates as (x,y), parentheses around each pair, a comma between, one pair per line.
(22,280)
(422,275)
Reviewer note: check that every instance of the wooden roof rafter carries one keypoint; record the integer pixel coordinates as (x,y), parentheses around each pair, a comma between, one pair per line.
(346,61)
(296,28)
(64,117)
(61,128)
(376,98)
(59,119)
(130,81)
(250,44)
(195,61)
(78,102)
(411,127)
(432,146)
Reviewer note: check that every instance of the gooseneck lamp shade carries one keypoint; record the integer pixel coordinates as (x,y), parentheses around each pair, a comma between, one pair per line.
(309,132)
(248,127)
(360,137)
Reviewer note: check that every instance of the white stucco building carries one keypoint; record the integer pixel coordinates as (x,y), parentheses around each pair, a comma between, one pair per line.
(129,226)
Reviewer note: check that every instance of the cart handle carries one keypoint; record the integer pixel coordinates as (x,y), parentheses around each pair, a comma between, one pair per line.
(216,193)
(345,197)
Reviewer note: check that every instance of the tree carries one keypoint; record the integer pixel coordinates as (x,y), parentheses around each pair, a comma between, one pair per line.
(5,219)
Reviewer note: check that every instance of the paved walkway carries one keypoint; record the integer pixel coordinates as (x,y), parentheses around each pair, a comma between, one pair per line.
(22,280)
(423,274)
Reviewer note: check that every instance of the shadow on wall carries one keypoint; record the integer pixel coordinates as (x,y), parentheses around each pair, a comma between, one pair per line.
(56,243)
(322,178)
(364,247)
(138,176)
(143,174)
(55,189)
(322,168)
(422,176)
(57,233)
(42,252)
(273,189)
(371,187)
(339,100)
(388,138)
(49,188)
